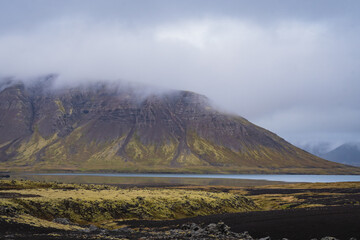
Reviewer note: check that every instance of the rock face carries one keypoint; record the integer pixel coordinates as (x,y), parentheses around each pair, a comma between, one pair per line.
(106,127)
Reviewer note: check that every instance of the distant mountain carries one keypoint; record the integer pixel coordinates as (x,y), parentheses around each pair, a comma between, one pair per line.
(318,149)
(109,127)
(348,153)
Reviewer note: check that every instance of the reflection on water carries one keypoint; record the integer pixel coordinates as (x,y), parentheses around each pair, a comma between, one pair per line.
(144,181)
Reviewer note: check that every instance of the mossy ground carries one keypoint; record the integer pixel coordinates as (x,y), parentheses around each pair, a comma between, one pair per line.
(297,195)
(99,204)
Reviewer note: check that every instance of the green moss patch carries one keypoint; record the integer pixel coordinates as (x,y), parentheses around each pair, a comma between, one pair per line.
(96,204)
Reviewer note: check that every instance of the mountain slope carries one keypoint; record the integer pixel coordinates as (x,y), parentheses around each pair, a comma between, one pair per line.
(346,154)
(112,128)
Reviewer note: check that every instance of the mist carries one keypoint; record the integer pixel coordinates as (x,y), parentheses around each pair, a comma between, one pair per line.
(292,71)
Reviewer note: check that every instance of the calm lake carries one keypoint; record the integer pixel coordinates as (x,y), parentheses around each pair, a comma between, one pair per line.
(186,179)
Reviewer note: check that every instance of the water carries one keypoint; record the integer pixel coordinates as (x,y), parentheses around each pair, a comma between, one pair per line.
(268,177)
(186,179)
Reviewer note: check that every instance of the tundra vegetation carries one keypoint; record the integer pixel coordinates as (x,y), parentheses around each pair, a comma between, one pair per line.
(78,211)
(39,203)
(296,195)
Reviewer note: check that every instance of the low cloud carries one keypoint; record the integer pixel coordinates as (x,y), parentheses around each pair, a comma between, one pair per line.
(294,77)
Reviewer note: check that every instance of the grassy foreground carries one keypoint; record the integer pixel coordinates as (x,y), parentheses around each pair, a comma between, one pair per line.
(38,203)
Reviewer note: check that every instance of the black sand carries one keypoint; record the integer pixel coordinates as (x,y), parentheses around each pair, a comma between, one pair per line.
(342,222)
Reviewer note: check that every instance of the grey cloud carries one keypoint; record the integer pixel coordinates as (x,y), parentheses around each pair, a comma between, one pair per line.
(289,66)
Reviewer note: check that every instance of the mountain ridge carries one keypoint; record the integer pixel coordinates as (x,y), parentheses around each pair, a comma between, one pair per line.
(104,127)
(348,153)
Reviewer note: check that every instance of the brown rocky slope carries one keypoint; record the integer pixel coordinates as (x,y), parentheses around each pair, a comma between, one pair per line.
(109,127)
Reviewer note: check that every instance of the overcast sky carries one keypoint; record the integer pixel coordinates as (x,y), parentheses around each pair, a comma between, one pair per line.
(292,67)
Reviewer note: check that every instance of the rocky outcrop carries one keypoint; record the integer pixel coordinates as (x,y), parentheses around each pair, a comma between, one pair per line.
(212,231)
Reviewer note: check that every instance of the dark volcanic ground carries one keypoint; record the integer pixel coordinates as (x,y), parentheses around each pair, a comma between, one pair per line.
(340,222)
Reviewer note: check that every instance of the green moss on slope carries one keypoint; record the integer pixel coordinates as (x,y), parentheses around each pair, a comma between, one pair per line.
(28,150)
(159,154)
(60,105)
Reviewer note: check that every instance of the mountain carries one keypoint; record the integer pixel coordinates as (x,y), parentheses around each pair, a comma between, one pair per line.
(109,127)
(348,153)
(318,149)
